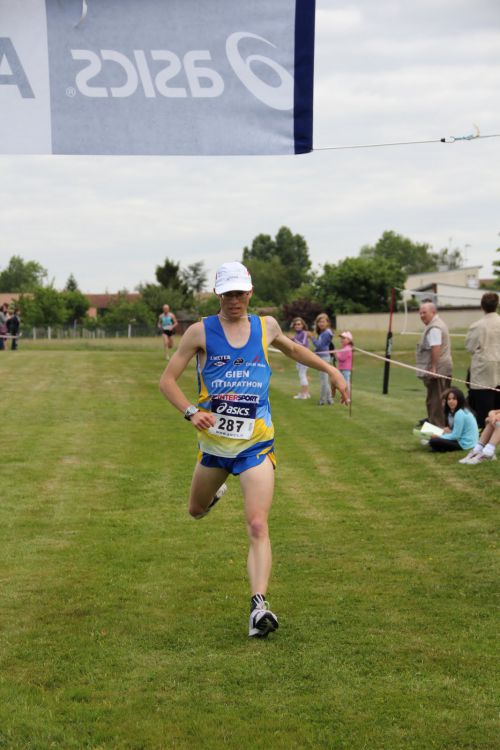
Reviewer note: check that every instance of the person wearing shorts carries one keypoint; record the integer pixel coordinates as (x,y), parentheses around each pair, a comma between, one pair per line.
(167,323)
(233,417)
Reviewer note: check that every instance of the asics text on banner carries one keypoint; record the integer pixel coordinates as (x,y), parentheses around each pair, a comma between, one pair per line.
(183,77)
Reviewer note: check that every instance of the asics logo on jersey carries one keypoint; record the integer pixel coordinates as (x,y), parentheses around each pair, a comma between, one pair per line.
(233,410)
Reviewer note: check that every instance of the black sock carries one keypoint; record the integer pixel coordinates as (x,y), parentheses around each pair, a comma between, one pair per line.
(255,601)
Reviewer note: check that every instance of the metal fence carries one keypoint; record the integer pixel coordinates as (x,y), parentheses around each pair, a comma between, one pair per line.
(132,330)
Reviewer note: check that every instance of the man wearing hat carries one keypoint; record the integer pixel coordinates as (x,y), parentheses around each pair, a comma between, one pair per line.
(233,418)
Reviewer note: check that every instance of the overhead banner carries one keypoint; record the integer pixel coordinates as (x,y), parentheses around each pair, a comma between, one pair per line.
(156,76)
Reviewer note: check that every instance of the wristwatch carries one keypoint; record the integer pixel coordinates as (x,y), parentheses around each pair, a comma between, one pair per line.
(190,412)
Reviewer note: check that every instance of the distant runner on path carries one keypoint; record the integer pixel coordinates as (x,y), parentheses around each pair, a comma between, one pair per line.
(167,323)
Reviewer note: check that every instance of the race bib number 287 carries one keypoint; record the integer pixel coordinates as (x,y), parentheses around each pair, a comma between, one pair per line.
(234,419)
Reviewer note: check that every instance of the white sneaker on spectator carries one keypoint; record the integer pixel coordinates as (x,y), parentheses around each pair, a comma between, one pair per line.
(480,457)
(471,454)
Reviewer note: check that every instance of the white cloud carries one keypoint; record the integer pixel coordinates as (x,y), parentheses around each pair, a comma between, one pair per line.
(385,72)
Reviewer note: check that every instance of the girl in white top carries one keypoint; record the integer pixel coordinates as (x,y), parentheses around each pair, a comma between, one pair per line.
(299,328)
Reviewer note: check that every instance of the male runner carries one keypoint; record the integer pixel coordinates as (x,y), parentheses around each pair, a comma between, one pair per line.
(167,323)
(233,417)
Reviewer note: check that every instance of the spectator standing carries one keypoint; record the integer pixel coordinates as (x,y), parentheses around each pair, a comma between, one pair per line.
(483,342)
(323,344)
(299,329)
(13,325)
(344,358)
(3,325)
(434,356)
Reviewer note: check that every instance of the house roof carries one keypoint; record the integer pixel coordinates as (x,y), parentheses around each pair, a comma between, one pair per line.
(8,297)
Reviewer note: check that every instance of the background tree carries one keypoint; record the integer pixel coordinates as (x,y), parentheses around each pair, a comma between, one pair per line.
(496,269)
(122,312)
(269,282)
(278,266)
(76,305)
(169,275)
(293,252)
(449,260)
(305,308)
(262,248)
(195,277)
(208,306)
(155,296)
(44,306)
(411,257)
(178,294)
(22,276)
(71,284)
(358,285)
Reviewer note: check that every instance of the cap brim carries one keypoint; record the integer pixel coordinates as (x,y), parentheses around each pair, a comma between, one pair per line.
(233,286)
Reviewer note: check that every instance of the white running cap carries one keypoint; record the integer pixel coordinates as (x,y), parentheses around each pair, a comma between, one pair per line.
(232,277)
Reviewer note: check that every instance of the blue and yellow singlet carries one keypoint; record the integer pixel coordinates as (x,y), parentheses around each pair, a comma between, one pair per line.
(234,385)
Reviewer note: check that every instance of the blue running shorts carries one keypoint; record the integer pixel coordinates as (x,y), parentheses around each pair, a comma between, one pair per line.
(236,465)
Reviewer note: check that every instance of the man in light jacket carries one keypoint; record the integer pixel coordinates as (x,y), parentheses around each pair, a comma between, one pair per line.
(434,357)
(483,342)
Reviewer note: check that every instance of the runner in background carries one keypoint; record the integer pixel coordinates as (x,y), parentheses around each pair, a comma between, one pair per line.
(167,323)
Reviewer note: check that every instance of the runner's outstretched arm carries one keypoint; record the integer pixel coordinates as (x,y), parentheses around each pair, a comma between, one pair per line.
(191,343)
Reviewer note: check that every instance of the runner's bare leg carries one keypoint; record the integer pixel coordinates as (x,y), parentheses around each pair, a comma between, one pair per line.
(257,484)
(204,485)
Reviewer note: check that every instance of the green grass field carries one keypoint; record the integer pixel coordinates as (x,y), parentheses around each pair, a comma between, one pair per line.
(123,623)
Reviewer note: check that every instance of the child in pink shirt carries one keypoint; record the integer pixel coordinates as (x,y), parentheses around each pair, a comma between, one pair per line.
(344,358)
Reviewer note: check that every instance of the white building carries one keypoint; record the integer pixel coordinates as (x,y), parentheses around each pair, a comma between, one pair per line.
(462,277)
(458,288)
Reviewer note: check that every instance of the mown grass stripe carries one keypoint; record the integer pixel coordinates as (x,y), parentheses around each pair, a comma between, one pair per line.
(123,622)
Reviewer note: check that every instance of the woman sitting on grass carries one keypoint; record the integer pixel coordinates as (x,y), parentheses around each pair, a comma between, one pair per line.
(461,432)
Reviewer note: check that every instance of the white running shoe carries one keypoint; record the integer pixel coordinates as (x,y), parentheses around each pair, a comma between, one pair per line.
(262,621)
(480,457)
(220,492)
(471,454)
(300,396)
